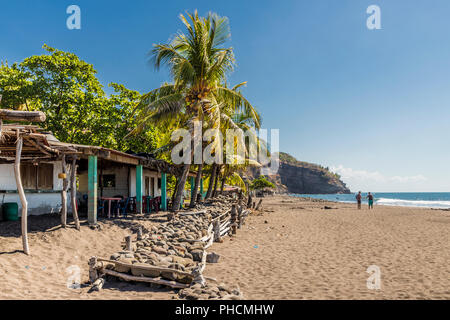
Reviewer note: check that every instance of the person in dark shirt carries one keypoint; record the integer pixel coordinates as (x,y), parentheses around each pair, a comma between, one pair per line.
(358,199)
(370,198)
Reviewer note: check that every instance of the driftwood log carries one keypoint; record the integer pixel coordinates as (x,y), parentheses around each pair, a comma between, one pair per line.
(23,199)
(98,284)
(191,213)
(15,115)
(97,268)
(127,277)
(150,267)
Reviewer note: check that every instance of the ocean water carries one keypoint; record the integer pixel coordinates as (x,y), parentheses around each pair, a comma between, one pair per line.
(437,200)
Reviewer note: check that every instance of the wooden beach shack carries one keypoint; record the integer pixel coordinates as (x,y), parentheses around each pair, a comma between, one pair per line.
(37,171)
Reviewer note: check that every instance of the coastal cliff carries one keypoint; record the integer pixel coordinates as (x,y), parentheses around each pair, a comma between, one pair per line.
(305,178)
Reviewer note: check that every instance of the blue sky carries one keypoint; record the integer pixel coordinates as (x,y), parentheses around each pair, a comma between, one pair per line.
(372,104)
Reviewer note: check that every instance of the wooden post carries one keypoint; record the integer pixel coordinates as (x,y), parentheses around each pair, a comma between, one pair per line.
(73,193)
(92,190)
(164,191)
(128,243)
(23,199)
(259,204)
(239,217)
(64,193)
(216,228)
(233,219)
(93,274)
(139,172)
(139,233)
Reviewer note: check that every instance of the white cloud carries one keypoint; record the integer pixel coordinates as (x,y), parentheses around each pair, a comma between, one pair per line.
(357,179)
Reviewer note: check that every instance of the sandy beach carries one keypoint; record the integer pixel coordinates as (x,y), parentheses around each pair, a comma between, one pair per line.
(292,249)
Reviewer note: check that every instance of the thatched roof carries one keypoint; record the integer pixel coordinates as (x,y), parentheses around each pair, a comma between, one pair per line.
(36,144)
(39,145)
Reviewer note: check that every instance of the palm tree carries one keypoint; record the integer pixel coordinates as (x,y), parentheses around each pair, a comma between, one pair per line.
(198,64)
(233,117)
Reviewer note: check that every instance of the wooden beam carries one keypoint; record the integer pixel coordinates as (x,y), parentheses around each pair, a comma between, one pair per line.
(126,277)
(15,115)
(23,199)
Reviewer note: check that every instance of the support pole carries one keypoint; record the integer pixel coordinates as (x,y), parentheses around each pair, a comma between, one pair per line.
(233,219)
(139,176)
(128,243)
(92,190)
(73,193)
(192,181)
(23,199)
(164,191)
(65,187)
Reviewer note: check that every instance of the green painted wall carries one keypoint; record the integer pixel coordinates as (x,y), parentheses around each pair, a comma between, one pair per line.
(164,191)
(92,190)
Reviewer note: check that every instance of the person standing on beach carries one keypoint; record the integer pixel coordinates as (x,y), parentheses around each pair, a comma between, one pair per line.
(370,197)
(358,199)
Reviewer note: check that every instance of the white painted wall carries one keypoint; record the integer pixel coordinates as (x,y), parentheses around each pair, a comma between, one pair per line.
(151,174)
(133,182)
(50,202)
(38,202)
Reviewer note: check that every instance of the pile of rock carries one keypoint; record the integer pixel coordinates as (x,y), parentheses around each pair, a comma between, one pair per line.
(210,292)
(179,245)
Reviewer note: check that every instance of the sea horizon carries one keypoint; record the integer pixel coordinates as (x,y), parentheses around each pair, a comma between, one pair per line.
(435,200)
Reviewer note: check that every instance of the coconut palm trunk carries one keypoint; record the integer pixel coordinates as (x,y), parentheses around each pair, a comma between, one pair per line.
(211,181)
(214,194)
(180,188)
(222,186)
(198,178)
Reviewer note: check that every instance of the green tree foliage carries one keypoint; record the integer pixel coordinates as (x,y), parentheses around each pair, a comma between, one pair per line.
(260,183)
(198,62)
(67,90)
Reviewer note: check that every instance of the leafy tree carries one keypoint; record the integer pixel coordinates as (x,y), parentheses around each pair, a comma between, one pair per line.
(260,183)
(67,90)
(122,120)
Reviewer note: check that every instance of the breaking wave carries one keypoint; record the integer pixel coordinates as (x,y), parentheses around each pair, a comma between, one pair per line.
(413,203)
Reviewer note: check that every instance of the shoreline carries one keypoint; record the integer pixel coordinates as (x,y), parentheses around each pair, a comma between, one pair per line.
(375,203)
